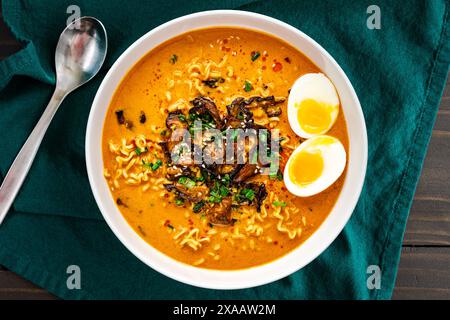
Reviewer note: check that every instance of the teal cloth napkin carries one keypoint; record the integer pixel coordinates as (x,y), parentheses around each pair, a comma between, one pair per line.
(398,73)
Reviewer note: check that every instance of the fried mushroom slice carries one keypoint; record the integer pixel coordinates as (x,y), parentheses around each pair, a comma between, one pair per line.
(174,172)
(243,172)
(238,110)
(269,104)
(220,214)
(205,107)
(259,194)
(194,194)
(176,120)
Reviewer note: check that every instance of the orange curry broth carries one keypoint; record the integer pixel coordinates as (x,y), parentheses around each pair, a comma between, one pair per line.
(144,89)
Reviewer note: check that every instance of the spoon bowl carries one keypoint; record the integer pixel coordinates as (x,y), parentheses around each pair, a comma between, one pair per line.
(80,52)
(79,55)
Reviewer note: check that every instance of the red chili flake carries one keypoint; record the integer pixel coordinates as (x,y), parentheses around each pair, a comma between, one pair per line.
(287,59)
(264,67)
(263,58)
(267,206)
(275,242)
(166,195)
(225,41)
(277,66)
(166,223)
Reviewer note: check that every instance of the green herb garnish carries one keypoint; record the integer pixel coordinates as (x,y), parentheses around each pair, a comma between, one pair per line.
(187,182)
(179,201)
(223,191)
(249,194)
(173,59)
(147,165)
(255,55)
(157,164)
(218,192)
(279,204)
(152,166)
(215,197)
(139,151)
(198,206)
(247,86)
(226,179)
(277,176)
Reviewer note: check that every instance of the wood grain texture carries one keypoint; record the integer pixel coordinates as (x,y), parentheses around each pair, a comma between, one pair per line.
(14,287)
(429,218)
(423,274)
(424,271)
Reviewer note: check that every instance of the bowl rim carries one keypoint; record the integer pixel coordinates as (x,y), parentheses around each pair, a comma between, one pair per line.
(213,278)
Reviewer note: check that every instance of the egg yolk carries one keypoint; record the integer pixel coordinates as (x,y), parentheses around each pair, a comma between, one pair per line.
(306,167)
(314,117)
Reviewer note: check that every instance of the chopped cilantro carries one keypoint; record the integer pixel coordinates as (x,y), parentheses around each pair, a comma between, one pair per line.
(248,193)
(223,191)
(247,86)
(179,201)
(198,206)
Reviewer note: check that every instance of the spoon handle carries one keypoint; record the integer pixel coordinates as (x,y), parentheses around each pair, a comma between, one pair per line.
(23,161)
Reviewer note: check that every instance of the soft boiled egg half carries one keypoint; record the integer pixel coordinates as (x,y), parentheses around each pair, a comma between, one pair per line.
(314,166)
(313,105)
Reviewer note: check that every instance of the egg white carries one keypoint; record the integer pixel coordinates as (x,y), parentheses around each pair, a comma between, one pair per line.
(315,86)
(334,160)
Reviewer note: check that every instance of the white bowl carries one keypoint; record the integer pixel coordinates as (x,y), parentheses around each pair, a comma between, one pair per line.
(296,259)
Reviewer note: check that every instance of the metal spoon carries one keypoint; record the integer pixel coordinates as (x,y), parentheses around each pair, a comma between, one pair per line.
(79,55)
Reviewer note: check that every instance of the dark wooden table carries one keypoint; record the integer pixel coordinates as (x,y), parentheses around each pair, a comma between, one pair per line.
(424,271)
